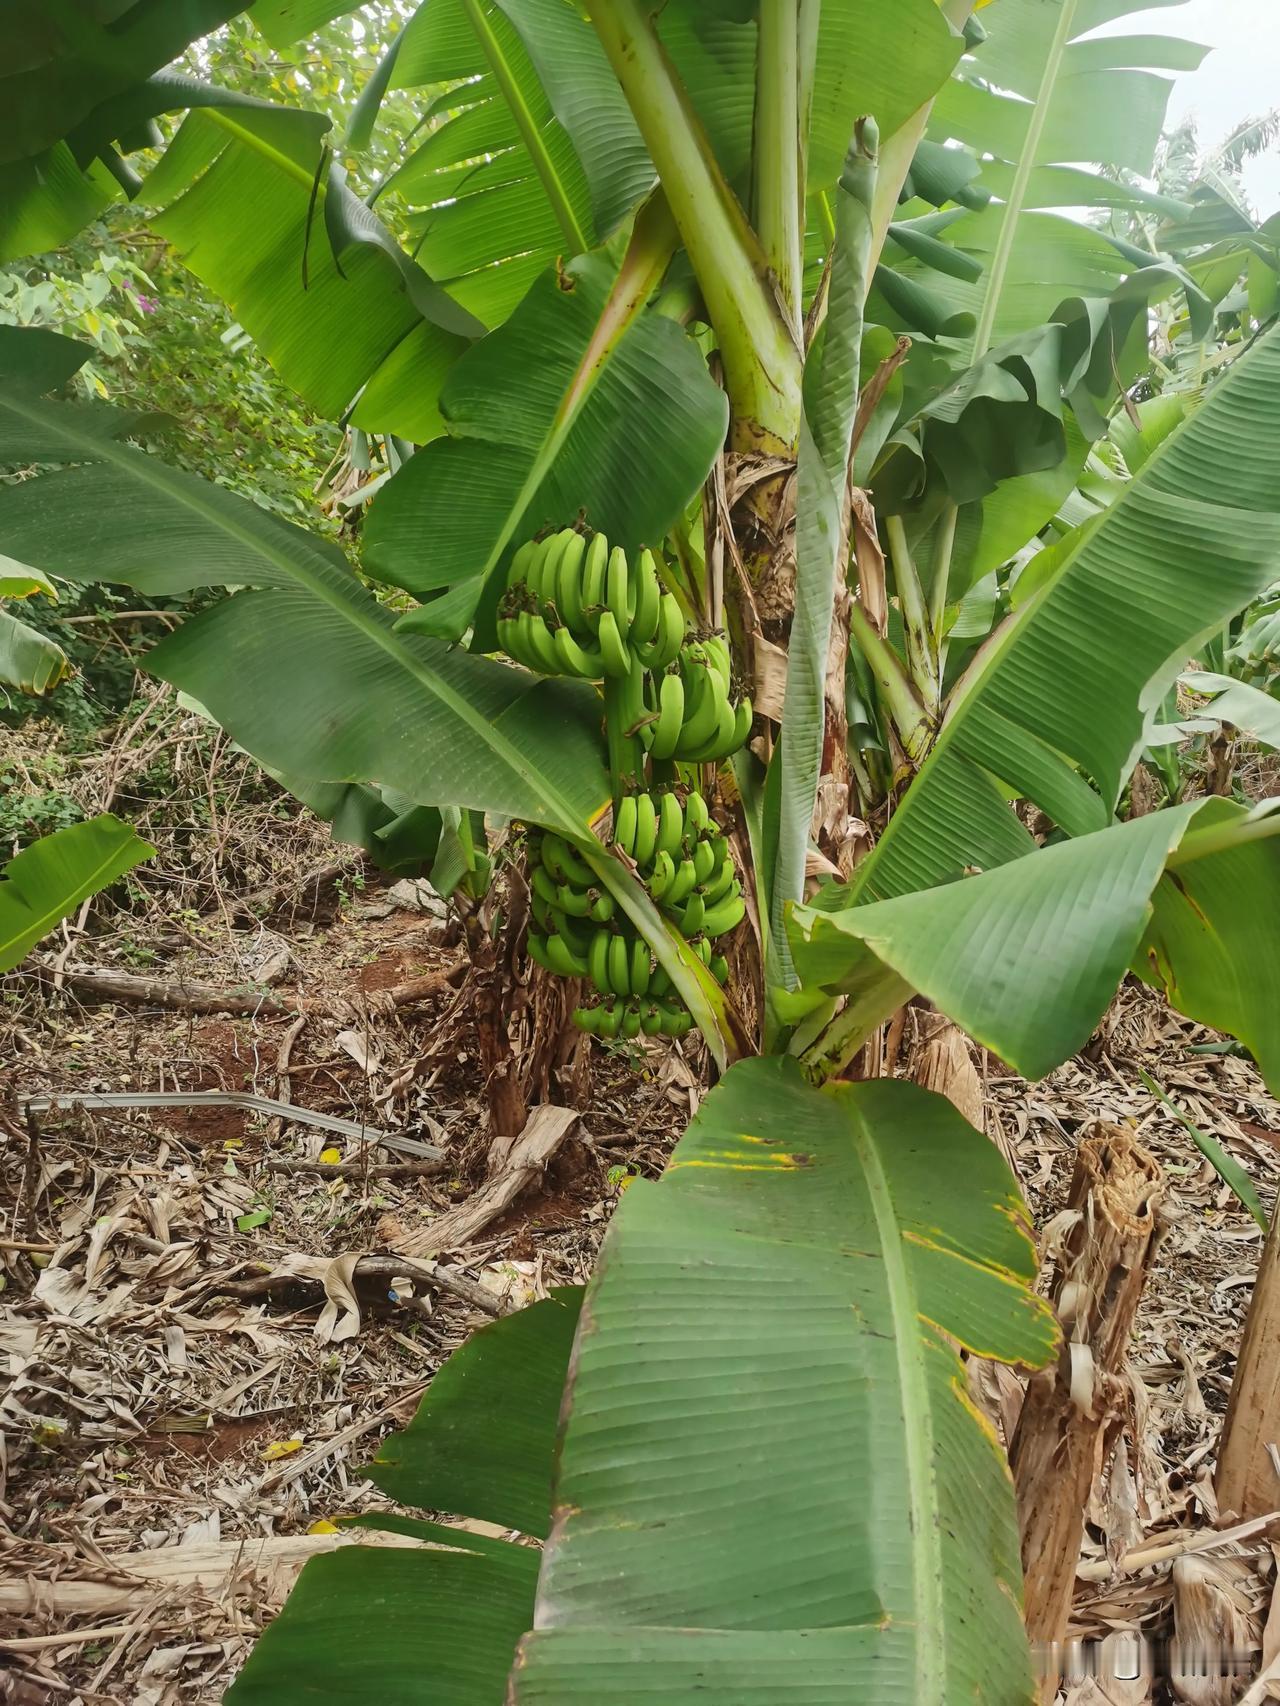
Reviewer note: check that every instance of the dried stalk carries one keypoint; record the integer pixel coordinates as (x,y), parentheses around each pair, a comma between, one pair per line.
(1247,1482)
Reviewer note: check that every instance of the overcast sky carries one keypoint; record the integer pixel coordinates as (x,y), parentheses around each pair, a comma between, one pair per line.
(1239,79)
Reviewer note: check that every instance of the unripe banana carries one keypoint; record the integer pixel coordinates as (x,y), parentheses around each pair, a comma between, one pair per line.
(610,1019)
(566,865)
(671,711)
(695,911)
(718,966)
(630,1021)
(670,824)
(587,663)
(521,558)
(640,966)
(575,901)
(646,829)
(563,960)
(704,860)
(742,724)
(696,815)
(540,878)
(598,961)
(702,947)
(665,646)
(721,743)
(648,599)
(624,824)
(543,915)
(618,593)
(718,657)
(538,950)
(726,916)
(664,874)
(619,965)
(659,983)
(712,712)
(601,908)
(568,593)
(535,638)
(574,931)
(650,1019)
(718,885)
(676,1021)
(682,884)
(635,715)
(513,641)
(613,649)
(594,567)
(587,1019)
(535,574)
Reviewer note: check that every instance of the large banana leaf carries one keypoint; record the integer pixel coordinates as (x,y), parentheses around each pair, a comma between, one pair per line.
(1027,957)
(448,1618)
(49,879)
(581,404)
(1056,701)
(772,1485)
(340,316)
(29,660)
(303,666)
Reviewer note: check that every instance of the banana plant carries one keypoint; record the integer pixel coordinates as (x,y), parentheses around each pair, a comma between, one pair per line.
(770,297)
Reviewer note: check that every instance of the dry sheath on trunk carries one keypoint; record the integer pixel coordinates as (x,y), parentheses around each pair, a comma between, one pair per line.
(1073,1410)
(1248,1481)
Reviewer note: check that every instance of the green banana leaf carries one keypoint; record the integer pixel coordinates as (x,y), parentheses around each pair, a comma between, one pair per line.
(1027,957)
(302,666)
(284,22)
(448,1614)
(1056,700)
(49,879)
(350,316)
(581,404)
(29,660)
(772,1484)
(1255,713)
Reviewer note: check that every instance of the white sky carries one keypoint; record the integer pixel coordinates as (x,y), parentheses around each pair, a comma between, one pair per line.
(1239,79)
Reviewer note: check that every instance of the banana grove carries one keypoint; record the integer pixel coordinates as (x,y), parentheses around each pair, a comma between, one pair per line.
(774,521)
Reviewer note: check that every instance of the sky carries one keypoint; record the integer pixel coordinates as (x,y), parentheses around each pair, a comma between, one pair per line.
(1239,79)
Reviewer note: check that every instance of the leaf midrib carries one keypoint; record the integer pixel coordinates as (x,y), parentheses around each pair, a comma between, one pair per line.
(924,1539)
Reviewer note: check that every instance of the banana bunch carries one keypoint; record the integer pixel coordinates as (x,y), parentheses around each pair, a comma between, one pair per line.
(685,864)
(693,715)
(574,607)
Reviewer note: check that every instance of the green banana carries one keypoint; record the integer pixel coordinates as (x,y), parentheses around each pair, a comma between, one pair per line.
(538,950)
(587,663)
(721,742)
(682,886)
(702,947)
(618,593)
(619,965)
(665,646)
(696,816)
(671,710)
(520,560)
(742,723)
(704,860)
(624,824)
(601,908)
(613,648)
(726,916)
(573,930)
(676,1021)
(695,911)
(565,865)
(535,572)
(670,824)
(610,1019)
(650,1019)
(703,696)
(594,567)
(587,1019)
(563,959)
(636,716)
(575,901)
(648,599)
(543,885)
(598,960)
(659,983)
(630,1021)
(718,966)
(716,887)
(543,914)
(664,873)
(535,639)
(640,966)
(568,590)
(646,829)
(718,657)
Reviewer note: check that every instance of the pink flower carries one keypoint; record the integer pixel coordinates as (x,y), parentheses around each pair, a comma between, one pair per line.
(147,304)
